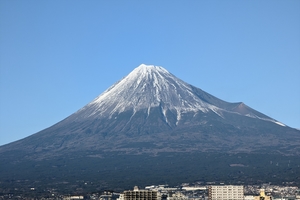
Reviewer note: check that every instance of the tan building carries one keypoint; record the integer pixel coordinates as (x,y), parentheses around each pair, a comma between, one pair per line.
(262,196)
(225,192)
(137,194)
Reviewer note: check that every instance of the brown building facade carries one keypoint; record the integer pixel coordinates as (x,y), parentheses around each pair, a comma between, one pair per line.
(137,194)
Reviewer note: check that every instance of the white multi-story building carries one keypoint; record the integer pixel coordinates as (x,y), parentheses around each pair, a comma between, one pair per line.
(225,192)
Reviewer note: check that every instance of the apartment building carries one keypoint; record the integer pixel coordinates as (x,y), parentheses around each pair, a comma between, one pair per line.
(137,194)
(225,192)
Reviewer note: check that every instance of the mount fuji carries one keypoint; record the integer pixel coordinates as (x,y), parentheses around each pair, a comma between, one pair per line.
(150,113)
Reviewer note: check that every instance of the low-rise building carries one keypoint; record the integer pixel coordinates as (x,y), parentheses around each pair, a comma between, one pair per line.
(248,197)
(262,196)
(177,196)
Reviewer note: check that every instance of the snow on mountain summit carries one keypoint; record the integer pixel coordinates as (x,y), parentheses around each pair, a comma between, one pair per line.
(148,86)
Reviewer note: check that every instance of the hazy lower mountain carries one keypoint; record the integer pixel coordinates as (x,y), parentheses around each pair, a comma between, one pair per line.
(150,113)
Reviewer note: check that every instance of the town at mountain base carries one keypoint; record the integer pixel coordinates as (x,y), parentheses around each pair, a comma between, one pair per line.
(152,125)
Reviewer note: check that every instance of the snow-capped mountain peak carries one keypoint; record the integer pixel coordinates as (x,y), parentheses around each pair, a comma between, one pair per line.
(152,106)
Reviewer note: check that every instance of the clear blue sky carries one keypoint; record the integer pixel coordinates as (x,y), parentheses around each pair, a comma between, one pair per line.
(57,56)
